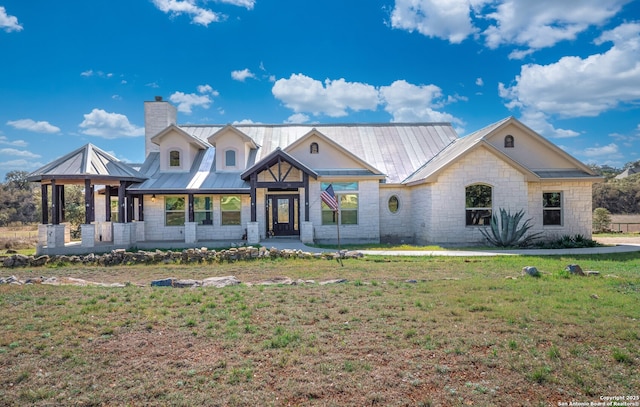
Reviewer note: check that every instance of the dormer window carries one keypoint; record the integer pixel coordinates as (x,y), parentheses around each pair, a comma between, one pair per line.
(230,158)
(509,141)
(174,158)
(314,149)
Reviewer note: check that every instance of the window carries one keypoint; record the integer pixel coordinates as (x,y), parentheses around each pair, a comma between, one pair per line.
(174,211)
(203,210)
(314,149)
(478,204)
(230,207)
(174,158)
(552,208)
(347,200)
(393,204)
(230,158)
(509,141)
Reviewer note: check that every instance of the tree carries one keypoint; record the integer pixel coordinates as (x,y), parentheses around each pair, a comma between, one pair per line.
(17,202)
(601,220)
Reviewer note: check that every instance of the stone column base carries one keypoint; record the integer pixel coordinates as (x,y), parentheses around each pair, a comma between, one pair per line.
(55,236)
(88,235)
(122,234)
(253,233)
(306,232)
(190,235)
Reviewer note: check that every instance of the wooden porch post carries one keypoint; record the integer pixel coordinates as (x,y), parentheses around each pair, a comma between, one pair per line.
(121,203)
(107,203)
(44,192)
(305,177)
(253,181)
(190,208)
(88,201)
(55,196)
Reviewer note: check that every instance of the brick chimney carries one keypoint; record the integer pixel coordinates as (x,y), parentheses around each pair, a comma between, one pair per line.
(158,115)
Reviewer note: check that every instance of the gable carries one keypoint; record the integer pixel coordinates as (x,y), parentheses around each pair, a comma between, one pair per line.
(174,143)
(319,152)
(233,149)
(530,149)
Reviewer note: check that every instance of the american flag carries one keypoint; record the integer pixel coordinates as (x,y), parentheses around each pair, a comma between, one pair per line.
(329,198)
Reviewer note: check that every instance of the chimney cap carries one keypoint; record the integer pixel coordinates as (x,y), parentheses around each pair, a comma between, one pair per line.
(158,98)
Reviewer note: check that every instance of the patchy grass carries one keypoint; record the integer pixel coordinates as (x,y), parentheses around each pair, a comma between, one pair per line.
(462,334)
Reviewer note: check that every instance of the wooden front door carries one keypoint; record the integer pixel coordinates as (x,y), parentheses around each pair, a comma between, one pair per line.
(282,215)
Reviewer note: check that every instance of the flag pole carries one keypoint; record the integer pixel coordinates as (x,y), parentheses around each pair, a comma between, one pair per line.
(338,229)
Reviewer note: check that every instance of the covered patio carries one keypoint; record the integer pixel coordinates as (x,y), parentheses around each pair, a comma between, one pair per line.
(89,167)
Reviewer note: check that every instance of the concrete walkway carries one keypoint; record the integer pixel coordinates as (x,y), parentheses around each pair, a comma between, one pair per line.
(293,244)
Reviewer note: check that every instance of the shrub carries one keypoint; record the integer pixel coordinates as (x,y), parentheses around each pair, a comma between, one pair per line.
(506,232)
(568,242)
(601,220)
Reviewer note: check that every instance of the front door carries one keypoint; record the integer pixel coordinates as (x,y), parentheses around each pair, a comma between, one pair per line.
(282,215)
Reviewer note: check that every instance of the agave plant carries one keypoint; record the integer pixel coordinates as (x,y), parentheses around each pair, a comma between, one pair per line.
(507,232)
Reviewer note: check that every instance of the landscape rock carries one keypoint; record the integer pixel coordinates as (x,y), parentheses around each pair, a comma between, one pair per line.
(220,282)
(334,281)
(165,282)
(574,269)
(530,271)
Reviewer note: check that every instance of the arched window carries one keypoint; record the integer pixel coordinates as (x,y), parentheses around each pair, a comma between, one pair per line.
(174,158)
(509,141)
(478,204)
(314,149)
(230,158)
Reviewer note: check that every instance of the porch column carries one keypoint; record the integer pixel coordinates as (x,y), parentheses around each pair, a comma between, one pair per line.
(305,178)
(88,202)
(253,181)
(44,192)
(107,203)
(141,208)
(190,210)
(121,203)
(55,212)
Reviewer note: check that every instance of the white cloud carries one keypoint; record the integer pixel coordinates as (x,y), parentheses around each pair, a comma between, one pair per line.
(100,74)
(9,23)
(16,143)
(32,125)
(186,101)
(479,82)
(577,87)
(525,23)
(297,118)
(333,98)
(18,153)
(608,151)
(539,122)
(199,15)
(414,103)
(446,19)
(22,163)
(100,123)
(543,23)
(242,75)
(248,4)
(207,89)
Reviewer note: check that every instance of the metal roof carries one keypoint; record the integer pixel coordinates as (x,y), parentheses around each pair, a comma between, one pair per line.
(201,177)
(396,149)
(87,162)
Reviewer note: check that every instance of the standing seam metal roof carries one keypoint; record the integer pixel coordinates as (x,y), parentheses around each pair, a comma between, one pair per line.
(396,149)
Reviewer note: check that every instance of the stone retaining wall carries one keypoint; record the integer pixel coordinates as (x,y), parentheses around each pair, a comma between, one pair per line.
(122,257)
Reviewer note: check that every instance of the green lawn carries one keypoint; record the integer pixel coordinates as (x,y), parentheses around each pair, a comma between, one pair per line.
(401,331)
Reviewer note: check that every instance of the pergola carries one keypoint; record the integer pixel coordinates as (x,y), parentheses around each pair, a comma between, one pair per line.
(87,166)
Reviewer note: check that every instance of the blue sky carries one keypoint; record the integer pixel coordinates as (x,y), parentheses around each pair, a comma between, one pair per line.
(79,72)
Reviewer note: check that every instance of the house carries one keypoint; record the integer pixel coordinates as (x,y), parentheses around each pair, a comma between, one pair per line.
(394,182)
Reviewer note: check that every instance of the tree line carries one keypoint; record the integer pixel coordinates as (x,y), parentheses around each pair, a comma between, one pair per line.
(20,202)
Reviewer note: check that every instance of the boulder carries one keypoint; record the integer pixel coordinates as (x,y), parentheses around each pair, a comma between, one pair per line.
(530,271)
(165,282)
(574,269)
(220,282)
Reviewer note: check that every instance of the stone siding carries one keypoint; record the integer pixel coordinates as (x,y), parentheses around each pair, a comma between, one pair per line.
(368,227)
(396,227)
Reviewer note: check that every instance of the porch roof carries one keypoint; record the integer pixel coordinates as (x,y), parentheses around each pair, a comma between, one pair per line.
(87,162)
